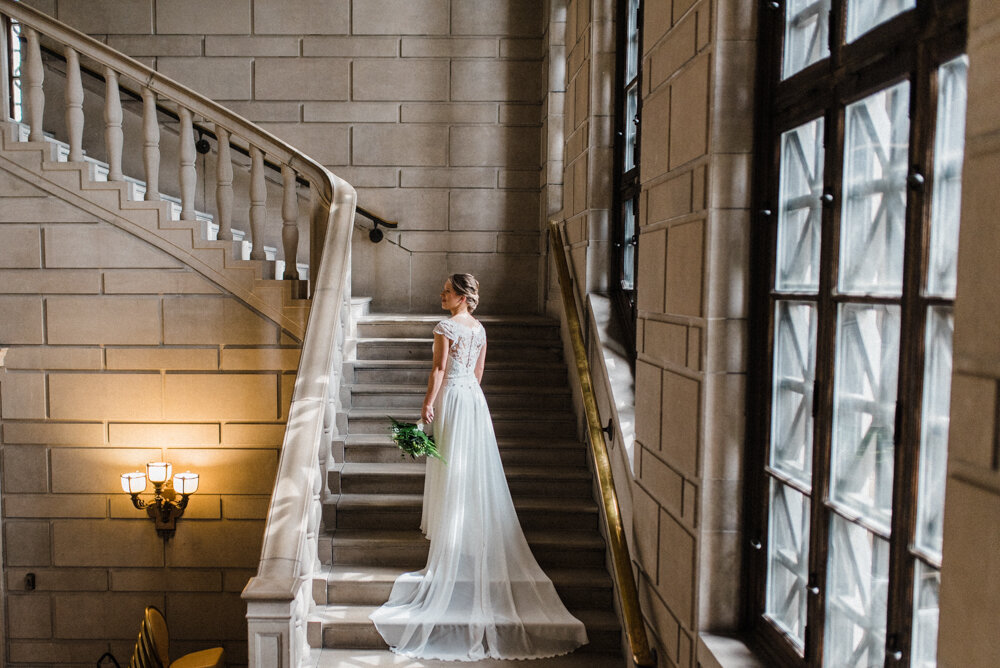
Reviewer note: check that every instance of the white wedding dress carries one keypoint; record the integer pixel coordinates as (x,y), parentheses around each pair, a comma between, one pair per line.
(482,594)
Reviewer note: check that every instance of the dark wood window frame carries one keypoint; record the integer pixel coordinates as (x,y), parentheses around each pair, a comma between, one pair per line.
(626,183)
(8,55)
(909,47)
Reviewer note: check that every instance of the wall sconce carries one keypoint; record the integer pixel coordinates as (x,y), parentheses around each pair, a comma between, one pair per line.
(164,509)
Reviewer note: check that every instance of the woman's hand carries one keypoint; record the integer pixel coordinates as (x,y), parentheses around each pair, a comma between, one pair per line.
(427,413)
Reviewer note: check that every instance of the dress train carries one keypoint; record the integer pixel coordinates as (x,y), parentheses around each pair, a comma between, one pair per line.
(481,594)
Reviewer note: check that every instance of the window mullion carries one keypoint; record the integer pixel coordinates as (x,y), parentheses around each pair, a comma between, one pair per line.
(914,347)
(826,343)
(838,32)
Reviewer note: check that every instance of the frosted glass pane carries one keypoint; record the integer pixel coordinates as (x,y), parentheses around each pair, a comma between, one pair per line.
(867,364)
(807,28)
(787,560)
(874,197)
(792,396)
(949,150)
(631,128)
(16,79)
(800,212)
(628,247)
(926,585)
(863,15)
(632,49)
(934,422)
(856,596)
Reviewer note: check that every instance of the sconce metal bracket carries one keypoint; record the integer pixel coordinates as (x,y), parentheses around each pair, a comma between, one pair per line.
(163,510)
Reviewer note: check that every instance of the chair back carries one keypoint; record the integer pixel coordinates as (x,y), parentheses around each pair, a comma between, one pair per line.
(151,647)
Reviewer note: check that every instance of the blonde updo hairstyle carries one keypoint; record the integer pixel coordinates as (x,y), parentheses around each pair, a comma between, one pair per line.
(466,285)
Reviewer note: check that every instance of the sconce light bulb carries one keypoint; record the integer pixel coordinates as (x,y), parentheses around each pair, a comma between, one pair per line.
(134,482)
(186,483)
(159,472)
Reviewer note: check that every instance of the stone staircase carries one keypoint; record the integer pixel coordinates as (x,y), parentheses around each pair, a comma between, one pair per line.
(372,521)
(219,261)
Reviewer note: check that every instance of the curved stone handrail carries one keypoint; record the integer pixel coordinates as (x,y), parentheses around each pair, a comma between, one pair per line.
(278,597)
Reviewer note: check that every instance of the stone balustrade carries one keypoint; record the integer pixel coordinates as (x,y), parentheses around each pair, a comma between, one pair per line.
(160,95)
(279,596)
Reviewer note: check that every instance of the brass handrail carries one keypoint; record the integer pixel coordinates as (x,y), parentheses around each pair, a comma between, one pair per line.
(628,594)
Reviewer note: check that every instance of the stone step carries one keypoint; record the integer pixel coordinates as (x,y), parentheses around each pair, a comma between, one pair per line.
(506,424)
(498,328)
(182,238)
(407,549)
(374,522)
(346,585)
(497,373)
(348,626)
(392,395)
(557,451)
(374,658)
(422,349)
(402,511)
(408,478)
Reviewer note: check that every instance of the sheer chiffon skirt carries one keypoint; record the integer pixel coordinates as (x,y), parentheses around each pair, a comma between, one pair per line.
(481,594)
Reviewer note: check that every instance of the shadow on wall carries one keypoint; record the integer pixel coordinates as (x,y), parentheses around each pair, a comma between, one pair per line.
(480,211)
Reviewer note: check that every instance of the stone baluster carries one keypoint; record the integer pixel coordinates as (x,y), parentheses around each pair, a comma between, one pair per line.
(290,227)
(151,145)
(258,198)
(188,175)
(318,214)
(114,139)
(34,75)
(74,105)
(224,186)
(313,523)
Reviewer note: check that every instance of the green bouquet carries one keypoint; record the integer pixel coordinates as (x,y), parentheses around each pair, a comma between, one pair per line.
(411,440)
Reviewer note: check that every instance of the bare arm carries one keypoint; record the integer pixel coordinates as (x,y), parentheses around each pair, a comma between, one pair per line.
(435,379)
(481,364)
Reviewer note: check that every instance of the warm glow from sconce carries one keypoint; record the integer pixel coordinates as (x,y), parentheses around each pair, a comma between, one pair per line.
(159,472)
(186,483)
(134,483)
(164,508)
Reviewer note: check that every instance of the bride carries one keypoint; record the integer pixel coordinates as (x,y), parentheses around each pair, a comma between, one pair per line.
(482,594)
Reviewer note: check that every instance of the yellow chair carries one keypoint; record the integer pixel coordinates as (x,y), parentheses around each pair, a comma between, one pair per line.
(151,649)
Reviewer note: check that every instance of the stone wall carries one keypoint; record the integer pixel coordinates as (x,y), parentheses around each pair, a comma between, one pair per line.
(696,141)
(432,109)
(588,128)
(970,597)
(693,254)
(119,355)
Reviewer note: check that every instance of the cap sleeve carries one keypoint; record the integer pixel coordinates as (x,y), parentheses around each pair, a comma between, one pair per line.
(445,329)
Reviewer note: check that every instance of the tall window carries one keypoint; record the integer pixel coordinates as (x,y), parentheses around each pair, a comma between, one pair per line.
(626,229)
(860,133)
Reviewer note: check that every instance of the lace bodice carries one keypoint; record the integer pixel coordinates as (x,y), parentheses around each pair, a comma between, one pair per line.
(465,344)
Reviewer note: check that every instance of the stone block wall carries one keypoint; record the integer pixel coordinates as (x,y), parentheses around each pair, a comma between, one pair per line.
(970,597)
(432,109)
(119,355)
(692,270)
(685,484)
(588,148)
